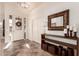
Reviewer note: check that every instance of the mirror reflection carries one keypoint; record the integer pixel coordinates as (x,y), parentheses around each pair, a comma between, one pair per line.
(57,21)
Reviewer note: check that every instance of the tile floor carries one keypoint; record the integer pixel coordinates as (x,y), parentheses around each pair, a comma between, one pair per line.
(25,48)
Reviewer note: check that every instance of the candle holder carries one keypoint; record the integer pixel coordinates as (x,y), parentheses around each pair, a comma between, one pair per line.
(75,34)
(65,32)
(65,35)
(68,32)
(71,34)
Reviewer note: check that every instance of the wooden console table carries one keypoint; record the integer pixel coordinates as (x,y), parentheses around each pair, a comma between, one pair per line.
(59,45)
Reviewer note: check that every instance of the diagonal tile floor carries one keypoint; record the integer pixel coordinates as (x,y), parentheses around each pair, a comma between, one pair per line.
(25,48)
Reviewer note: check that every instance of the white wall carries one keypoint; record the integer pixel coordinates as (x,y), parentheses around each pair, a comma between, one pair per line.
(15,11)
(38,18)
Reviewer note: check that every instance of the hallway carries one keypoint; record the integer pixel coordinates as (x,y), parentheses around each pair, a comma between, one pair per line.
(39,29)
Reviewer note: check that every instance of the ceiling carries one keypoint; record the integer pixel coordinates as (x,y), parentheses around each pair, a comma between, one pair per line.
(14,5)
(33,5)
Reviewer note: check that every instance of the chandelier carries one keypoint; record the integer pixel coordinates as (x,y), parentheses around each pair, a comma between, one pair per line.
(24,4)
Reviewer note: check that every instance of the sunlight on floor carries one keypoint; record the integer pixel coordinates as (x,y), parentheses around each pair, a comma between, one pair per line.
(27,45)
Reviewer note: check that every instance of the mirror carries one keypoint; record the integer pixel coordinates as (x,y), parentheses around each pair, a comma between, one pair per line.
(58,21)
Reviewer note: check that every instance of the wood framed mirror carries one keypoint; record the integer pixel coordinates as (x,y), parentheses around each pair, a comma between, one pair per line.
(58,21)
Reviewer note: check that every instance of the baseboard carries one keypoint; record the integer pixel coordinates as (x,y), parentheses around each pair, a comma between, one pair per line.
(18,40)
(27,40)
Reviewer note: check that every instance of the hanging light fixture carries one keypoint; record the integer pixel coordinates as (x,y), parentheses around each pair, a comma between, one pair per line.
(24,4)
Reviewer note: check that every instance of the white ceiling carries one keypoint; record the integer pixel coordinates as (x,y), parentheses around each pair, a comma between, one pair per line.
(33,5)
(24,10)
